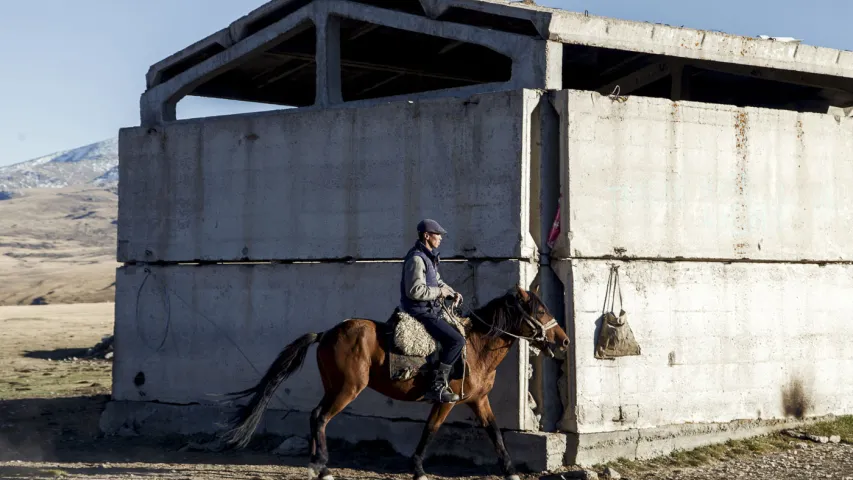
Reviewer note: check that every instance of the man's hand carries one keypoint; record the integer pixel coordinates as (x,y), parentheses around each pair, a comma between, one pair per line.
(447,292)
(457,300)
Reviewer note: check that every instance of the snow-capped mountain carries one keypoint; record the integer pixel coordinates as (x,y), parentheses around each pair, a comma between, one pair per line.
(95,164)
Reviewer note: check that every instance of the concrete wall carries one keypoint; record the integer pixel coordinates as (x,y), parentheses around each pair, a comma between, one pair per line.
(182,326)
(327,184)
(654,178)
(730,226)
(720,342)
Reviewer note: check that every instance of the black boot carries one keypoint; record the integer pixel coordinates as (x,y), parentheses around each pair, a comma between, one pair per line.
(440,389)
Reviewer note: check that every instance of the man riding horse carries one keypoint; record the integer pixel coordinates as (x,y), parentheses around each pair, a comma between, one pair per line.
(421,294)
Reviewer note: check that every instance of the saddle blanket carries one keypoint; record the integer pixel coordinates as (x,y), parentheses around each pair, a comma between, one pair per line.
(412,347)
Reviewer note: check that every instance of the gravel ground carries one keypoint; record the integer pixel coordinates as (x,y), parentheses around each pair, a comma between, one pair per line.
(814,461)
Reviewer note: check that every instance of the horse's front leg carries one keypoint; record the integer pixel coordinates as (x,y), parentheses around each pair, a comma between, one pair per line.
(483,410)
(437,416)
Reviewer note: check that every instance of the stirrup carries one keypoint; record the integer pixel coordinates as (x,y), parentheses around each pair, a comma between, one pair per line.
(433,395)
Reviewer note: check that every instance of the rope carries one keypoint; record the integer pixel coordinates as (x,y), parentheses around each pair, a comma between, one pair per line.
(502,331)
(612,288)
(168,309)
(222,332)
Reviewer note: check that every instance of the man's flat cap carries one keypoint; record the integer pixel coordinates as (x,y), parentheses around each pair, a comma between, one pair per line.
(431,226)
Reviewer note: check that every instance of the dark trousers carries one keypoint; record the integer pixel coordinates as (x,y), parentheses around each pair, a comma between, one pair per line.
(452,342)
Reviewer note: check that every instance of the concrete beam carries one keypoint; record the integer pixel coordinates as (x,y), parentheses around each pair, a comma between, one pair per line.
(637,80)
(219,40)
(581,29)
(193,331)
(517,47)
(158,104)
(434,8)
(240,27)
(540,17)
(841,84)
(382,68)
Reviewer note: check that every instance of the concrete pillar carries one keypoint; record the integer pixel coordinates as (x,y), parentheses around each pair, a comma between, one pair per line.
(538,64)
(154,109)
(328,61)
(546,372)
(680,81)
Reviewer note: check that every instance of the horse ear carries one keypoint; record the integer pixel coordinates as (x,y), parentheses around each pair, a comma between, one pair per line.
(536,290)
(522,293)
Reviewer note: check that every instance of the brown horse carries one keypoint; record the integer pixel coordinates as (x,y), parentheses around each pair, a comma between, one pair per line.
(352,356)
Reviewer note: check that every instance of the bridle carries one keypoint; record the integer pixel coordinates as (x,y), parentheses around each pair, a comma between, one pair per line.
(540,330)
(537,326)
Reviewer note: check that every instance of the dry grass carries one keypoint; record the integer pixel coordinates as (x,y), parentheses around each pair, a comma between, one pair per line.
(842,426)
(58,245)
(29,365)
(703,455)
(732,449)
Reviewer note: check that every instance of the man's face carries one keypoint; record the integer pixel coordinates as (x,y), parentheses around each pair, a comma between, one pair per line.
(433,240)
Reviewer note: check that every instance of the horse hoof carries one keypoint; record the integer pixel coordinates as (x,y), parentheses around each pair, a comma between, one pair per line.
(422,477)
(513,477)
(315,472)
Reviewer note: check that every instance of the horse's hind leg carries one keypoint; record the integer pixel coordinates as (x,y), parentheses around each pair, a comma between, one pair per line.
(342,386)
(437,416)
(330,406)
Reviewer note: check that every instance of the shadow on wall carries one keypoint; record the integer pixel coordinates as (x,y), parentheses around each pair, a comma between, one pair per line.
(796,402)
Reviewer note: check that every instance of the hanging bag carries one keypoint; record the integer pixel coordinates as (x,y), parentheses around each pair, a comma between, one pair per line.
(615,339)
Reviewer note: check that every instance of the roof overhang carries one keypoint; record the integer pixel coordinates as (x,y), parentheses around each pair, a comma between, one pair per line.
(547,24)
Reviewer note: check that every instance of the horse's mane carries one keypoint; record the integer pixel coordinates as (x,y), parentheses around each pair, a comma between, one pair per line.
(501,316)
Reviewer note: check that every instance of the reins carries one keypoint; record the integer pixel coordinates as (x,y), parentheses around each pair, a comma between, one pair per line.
(532,322)
(540,330)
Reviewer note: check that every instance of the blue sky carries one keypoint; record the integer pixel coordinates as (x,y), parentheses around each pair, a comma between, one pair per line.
(72,70)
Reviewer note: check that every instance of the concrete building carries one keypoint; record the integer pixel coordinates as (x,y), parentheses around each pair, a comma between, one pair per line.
(713,169)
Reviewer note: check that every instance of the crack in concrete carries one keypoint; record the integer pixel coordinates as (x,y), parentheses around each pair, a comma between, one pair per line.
(706,260)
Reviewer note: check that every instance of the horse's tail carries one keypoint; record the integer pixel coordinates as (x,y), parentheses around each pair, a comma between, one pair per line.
(244,423)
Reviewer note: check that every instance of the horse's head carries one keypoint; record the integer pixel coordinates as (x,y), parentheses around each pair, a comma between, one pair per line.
(537,324)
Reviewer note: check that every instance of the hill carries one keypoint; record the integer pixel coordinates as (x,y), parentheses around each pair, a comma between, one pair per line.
(91,165)
(57,227)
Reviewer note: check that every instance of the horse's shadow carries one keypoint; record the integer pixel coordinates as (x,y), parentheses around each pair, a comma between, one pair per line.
(58,354)
(65,431)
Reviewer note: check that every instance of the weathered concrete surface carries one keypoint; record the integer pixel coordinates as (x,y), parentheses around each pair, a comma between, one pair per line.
(578,28)
(536,451)
(184,328)
(329,184)
(720,342)
(654,178)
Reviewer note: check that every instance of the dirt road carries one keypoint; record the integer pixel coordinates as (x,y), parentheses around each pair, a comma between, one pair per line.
(50,406)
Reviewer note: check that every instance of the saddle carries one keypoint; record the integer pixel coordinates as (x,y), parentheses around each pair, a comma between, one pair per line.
(411,349)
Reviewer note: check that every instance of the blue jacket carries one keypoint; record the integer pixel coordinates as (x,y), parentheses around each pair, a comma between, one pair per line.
(414,299)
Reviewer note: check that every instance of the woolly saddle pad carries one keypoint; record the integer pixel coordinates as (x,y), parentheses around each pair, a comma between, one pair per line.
(411,338)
